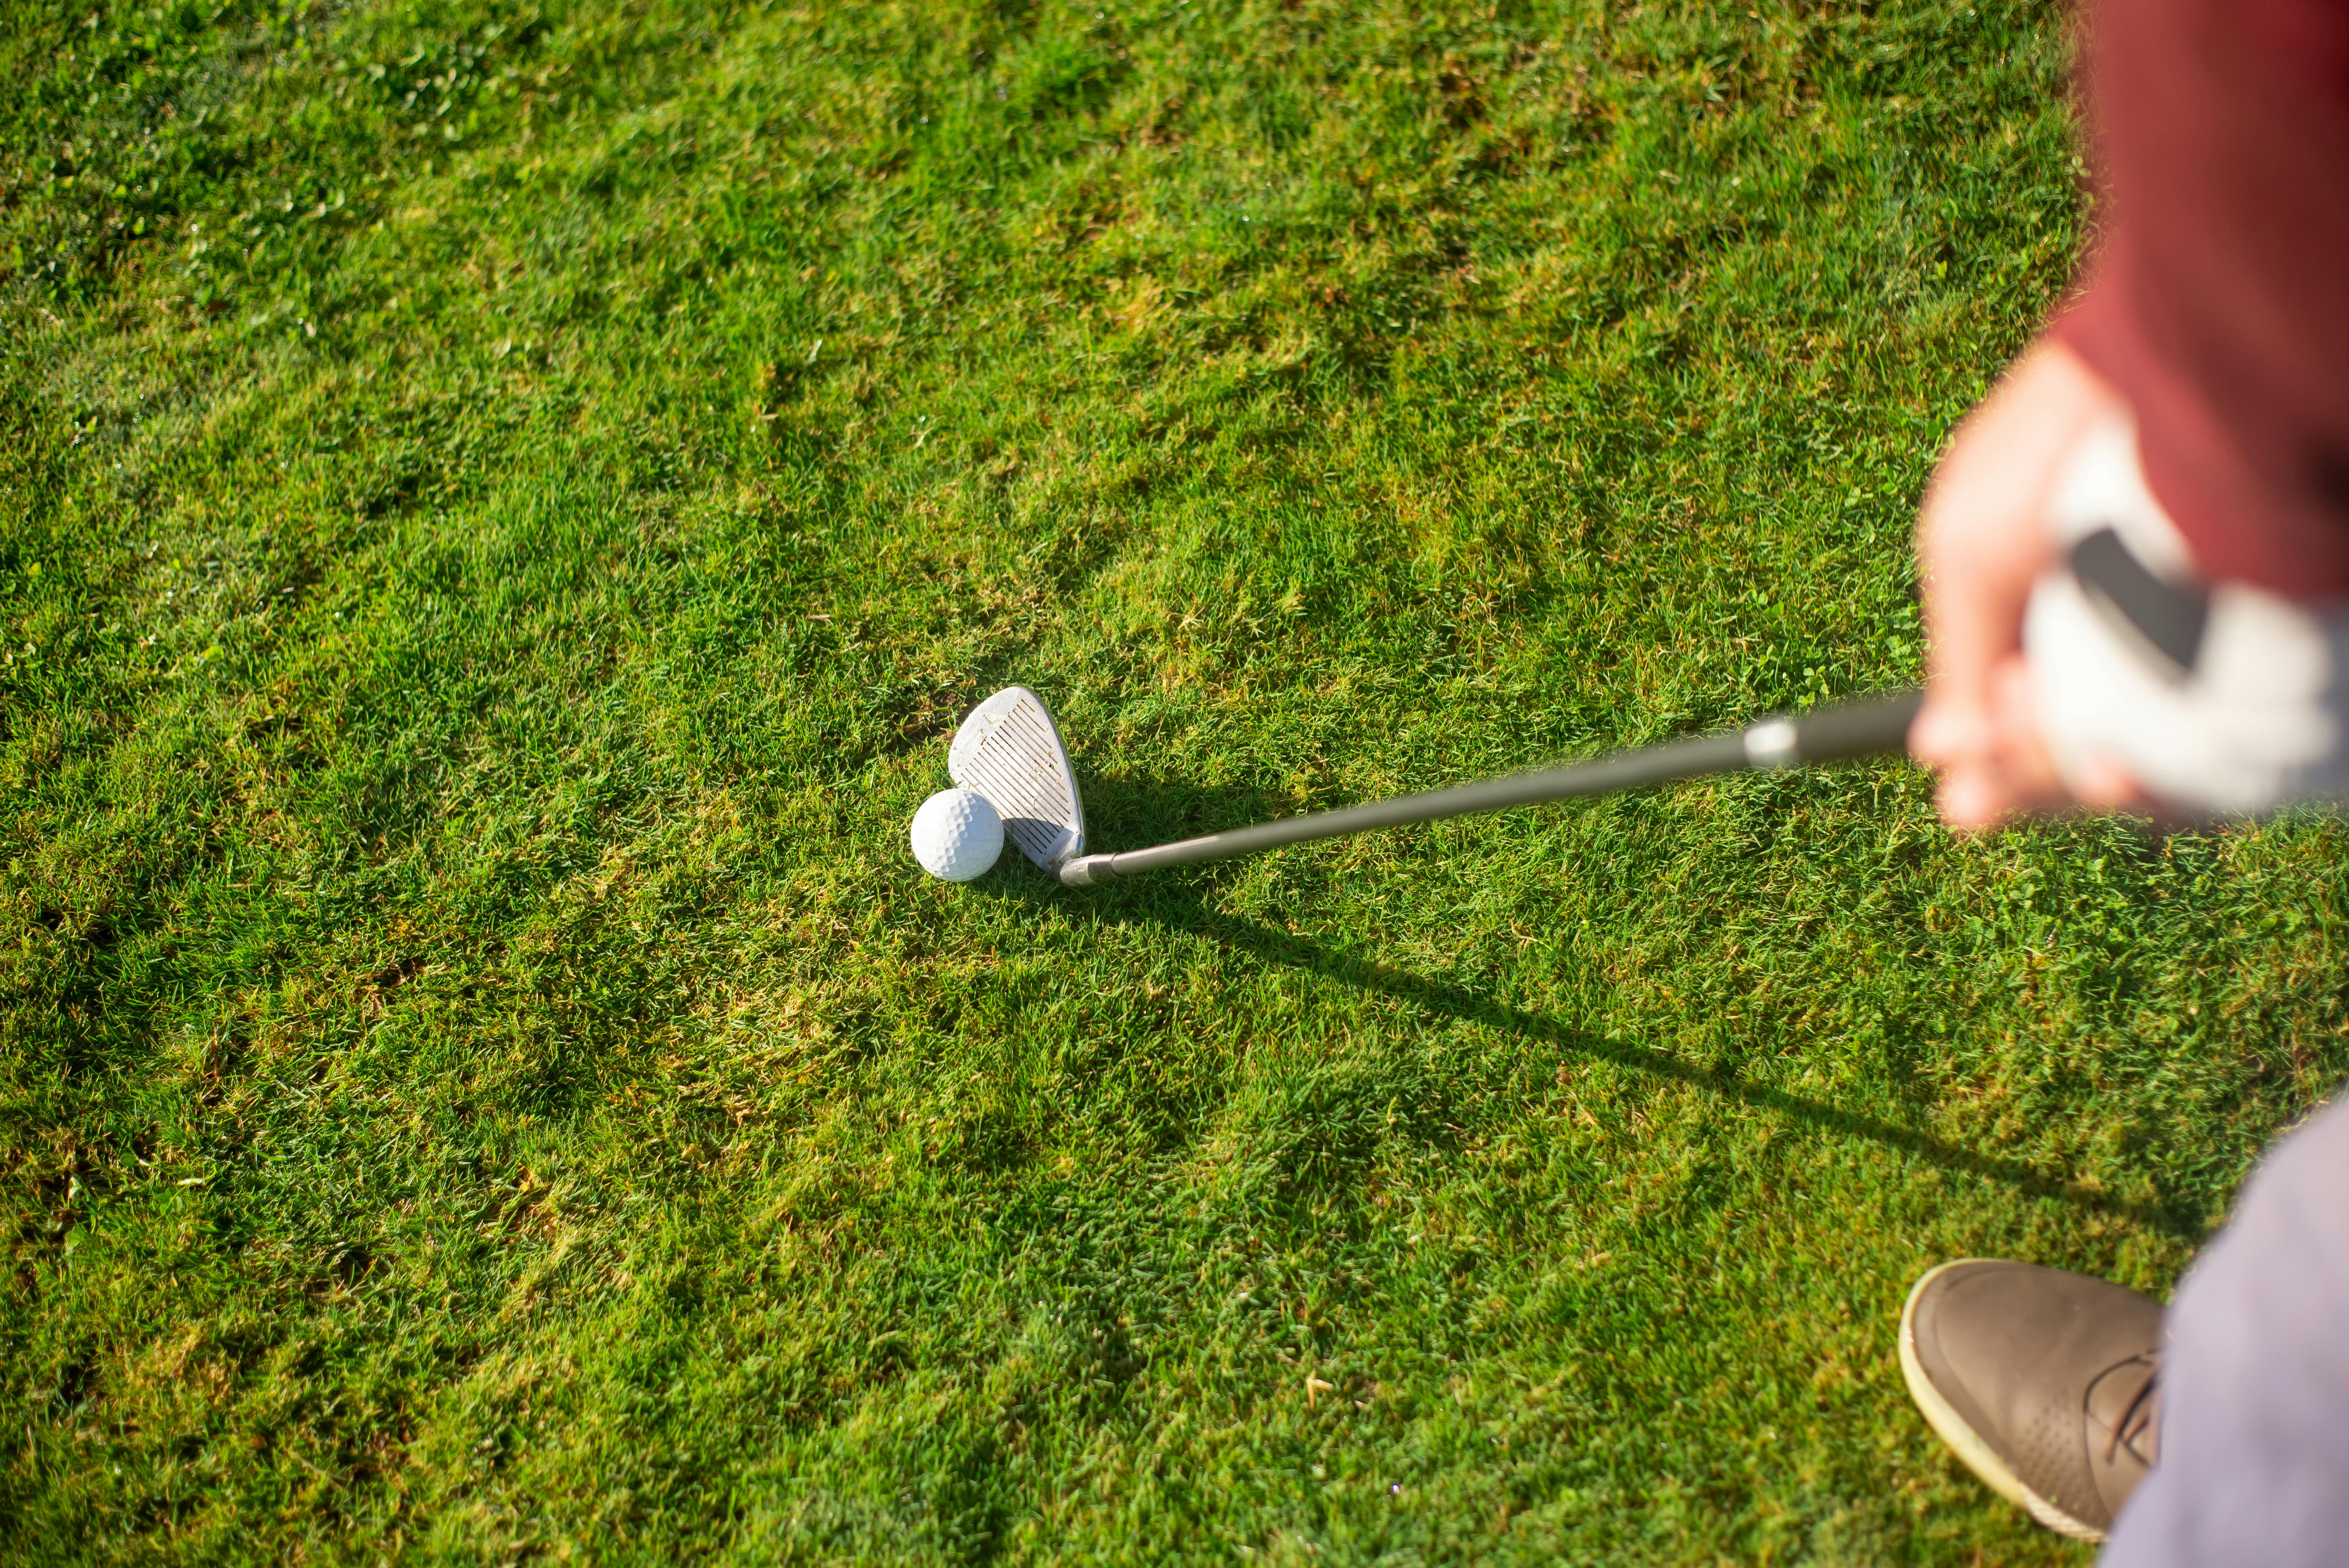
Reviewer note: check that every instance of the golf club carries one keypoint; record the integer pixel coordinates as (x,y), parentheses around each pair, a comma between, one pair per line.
(1009,750)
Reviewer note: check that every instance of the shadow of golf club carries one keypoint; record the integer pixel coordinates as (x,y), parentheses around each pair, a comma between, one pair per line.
(1173,900)
(1452,1001)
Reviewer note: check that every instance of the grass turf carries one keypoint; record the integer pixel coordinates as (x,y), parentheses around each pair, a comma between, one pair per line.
(499,509)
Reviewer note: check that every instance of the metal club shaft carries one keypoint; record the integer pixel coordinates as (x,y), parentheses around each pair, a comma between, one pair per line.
(1861,728)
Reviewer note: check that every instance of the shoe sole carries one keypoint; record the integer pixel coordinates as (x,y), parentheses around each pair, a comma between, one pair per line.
(1962,1439)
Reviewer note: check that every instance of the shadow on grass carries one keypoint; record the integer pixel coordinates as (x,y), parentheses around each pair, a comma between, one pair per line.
(1172,901)
(1459,1001)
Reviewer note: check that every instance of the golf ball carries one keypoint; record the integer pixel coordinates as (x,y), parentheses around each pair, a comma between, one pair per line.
(957,835)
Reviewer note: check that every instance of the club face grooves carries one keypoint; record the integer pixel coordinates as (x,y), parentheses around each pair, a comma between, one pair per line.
(1009,750)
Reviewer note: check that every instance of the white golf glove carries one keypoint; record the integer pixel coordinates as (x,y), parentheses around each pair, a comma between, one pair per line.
(2220,700)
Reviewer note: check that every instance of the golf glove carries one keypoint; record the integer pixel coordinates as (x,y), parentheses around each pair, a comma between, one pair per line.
(2221,699)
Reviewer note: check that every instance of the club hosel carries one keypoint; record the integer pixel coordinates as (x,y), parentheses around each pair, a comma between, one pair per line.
(1084,871)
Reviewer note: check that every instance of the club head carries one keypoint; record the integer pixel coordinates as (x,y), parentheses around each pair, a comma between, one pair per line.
(1009,750)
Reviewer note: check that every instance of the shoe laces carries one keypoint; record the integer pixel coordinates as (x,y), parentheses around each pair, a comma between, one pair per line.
(2141,1417)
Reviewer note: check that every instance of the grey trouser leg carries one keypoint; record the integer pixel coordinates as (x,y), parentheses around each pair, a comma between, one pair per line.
(2254,1464)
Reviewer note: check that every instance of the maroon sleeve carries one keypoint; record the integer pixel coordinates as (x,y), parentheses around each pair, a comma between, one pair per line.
(2218,301)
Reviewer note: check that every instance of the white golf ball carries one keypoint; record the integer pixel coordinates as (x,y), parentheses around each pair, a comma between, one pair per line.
(957,835)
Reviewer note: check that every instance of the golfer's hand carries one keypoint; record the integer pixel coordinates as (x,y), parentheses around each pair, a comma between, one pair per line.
(1981,542)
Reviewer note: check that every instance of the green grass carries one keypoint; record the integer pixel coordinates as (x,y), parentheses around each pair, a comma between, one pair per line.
(500,510)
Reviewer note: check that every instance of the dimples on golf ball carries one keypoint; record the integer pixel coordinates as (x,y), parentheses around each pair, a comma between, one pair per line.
(957,835)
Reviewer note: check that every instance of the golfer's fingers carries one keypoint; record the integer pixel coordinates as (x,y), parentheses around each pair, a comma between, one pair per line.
(2033,780)
(1973,618)
(1958,734)
(1965,632)
(1977,563)
(2002,767)
(1981,542)
(1953,730)
(1972,799)
(2102,784)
